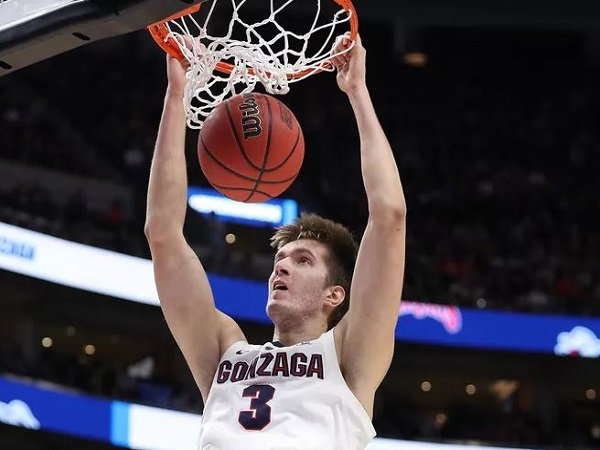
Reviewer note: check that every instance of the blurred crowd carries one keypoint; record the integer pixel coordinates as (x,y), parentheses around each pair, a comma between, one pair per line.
(498,166)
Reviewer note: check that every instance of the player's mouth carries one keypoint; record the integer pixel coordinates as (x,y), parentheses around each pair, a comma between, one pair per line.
(279,286)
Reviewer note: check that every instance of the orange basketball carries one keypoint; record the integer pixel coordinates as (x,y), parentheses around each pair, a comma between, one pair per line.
(251,147)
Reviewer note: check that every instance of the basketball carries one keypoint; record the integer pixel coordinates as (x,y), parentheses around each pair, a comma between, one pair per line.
(251,147)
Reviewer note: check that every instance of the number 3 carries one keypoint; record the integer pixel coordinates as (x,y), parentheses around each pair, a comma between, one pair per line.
(259,415)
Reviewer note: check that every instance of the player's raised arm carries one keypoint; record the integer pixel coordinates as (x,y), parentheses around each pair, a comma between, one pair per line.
(201,332)
(366,332)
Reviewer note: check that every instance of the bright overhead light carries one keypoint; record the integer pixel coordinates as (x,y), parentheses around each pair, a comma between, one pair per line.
(89,349)
(590,394)
(415,59)
(503,389)
(441,419)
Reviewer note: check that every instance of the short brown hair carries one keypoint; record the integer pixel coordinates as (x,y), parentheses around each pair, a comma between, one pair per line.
(342,252)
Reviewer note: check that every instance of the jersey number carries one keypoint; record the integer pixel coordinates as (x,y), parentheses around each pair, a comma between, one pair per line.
(259,415)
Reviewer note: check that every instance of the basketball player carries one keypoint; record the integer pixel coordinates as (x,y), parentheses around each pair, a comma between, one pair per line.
(313,386)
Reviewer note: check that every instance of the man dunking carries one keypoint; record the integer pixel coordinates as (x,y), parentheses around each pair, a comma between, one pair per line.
(313,386)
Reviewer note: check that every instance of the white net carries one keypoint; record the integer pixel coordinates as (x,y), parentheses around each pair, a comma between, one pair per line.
(275,47)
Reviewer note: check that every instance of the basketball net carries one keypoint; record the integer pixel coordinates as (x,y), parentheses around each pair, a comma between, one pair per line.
(251,49)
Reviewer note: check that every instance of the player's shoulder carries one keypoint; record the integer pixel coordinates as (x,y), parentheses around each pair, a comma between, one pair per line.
(238,348)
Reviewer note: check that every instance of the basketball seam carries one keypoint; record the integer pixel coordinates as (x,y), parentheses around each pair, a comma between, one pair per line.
(289,155)
(230,170)
(261,172)
(237,138)
(241,147)
(218,186)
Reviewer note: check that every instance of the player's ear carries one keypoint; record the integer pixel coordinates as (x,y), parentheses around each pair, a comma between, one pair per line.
(335,296)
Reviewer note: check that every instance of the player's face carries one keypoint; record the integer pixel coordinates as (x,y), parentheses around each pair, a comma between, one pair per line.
(298,283)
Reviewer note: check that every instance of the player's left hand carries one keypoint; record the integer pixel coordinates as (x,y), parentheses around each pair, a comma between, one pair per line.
(351,64)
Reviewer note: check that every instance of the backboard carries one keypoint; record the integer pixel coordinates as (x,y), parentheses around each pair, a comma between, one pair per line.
(33,30)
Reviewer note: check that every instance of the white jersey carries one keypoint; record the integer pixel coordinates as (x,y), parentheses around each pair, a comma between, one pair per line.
(269,397)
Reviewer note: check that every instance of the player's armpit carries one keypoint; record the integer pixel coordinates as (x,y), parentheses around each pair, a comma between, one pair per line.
(201,331)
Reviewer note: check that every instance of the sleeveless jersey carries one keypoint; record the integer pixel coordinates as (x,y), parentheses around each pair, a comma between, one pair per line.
(268,397)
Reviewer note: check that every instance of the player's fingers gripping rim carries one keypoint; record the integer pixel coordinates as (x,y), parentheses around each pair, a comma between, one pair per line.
(342,51)
(191,49)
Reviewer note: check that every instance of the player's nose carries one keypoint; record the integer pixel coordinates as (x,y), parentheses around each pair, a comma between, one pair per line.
(281,267)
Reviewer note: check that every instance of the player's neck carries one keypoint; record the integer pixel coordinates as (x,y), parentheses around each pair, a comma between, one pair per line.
(293,336)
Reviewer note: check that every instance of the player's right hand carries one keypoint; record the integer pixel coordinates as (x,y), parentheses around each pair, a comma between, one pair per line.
(176,76)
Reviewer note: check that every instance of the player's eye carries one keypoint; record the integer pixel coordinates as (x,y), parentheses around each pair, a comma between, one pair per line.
(304,260)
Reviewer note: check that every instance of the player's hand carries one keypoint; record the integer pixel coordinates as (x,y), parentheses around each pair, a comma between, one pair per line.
(351,64)
(176,76)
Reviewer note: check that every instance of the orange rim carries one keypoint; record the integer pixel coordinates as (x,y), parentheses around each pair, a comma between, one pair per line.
(160,34)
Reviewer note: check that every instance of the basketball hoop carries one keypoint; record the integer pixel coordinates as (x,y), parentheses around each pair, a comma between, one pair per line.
(230,45)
